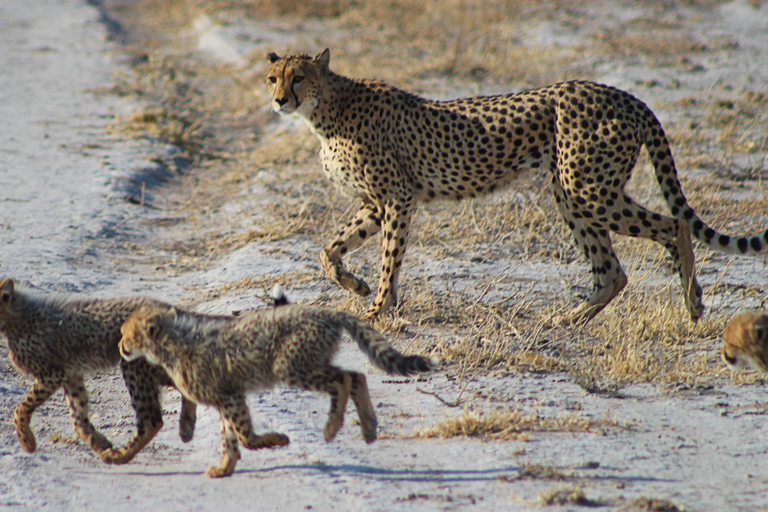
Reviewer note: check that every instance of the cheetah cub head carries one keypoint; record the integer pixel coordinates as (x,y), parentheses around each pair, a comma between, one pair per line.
(6,301)
(296,82)
(140,332)
(745,342)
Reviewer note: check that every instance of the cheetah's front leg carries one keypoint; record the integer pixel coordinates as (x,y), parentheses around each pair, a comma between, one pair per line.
(395,226)
(235,421)
(41,391)
(366,223)
(141,379)
(77,399)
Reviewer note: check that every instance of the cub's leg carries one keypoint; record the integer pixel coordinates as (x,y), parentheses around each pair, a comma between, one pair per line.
(235,410)
(41,391)
(362,401)
(77,399)
(395,226)
(188,414)
(139,377)
(366,223)
(230,453)
(187,419)
(331,380)
(235,422)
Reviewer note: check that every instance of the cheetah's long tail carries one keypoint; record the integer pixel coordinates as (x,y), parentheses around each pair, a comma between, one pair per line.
(666,174)
(380,352)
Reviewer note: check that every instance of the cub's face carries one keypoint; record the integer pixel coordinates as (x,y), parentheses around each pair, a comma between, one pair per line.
(6,300)
(140,332)
(745,342)
(295,82)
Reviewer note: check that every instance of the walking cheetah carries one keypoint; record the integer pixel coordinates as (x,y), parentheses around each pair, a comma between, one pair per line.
(58,341)
(392,149)
(745,341)
(215,361)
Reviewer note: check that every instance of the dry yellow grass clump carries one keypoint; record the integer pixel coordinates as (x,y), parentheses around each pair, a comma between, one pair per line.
(512,425)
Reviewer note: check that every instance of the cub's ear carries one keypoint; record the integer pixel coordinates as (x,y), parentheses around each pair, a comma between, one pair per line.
(6,290)
(153,327)
(324,58)
(272,57)
(761,329)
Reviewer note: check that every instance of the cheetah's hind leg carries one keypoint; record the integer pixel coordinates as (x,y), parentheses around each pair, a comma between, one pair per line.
(365,412)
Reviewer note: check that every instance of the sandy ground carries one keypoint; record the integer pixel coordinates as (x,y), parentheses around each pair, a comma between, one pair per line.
(62,181)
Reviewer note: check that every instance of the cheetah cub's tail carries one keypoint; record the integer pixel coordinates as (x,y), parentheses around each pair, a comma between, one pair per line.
(666,174)
(380,352)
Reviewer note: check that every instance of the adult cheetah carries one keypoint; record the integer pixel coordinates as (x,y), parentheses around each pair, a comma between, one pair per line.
(393,149)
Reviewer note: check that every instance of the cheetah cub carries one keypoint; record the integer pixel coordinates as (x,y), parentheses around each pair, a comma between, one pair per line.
(745,342)
(392,150)
(58,341)
(215,361)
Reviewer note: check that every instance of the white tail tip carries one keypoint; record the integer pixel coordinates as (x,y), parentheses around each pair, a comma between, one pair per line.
(277,292)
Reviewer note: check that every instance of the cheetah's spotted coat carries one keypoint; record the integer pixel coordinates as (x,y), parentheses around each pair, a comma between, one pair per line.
(393,149)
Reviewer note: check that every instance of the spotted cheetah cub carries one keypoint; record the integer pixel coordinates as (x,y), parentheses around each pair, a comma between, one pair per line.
(58,341)
(745,342)
(216,361)
(392,150)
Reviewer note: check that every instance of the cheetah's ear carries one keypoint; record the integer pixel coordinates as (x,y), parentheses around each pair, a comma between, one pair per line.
(272,57)
(324,58)
(173,311)
(761,329)
(6,290)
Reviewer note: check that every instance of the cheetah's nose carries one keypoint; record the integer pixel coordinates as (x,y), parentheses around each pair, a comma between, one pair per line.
(281,101)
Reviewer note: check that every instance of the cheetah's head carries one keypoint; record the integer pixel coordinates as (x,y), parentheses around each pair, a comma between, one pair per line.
(142,331)
(745,342)
(296,82)
(6,299)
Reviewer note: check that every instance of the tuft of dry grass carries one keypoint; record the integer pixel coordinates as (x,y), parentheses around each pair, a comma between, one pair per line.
(645,504)
(561,496)
(540,471)
(511,425)
(163,124)
(58,438)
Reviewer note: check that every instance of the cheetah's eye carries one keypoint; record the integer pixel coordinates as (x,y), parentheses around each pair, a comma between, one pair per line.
(272,79)
(298,79)
(728,359)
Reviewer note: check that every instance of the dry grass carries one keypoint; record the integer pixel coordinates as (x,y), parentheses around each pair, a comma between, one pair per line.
(564,496)
(645,504)
(58,438)
(163,124)
(512,425)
